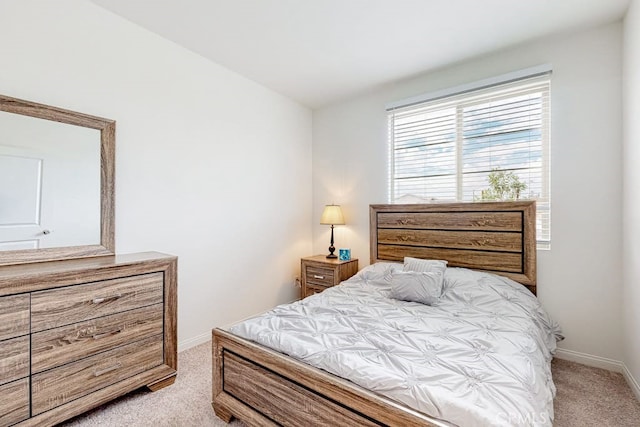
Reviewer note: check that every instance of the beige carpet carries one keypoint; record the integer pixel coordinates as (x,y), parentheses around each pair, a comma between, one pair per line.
(586,397)
(592,397)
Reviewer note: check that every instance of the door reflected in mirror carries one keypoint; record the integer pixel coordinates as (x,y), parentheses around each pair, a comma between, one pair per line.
(49,184)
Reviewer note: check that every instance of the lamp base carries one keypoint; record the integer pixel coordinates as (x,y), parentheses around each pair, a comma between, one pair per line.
(332,248)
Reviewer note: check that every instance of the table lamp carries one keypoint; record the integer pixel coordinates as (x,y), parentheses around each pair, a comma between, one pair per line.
(332,215)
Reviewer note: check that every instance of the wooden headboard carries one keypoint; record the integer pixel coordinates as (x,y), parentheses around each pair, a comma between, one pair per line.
(499,237)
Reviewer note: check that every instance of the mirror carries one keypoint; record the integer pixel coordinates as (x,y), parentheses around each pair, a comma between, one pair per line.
(56,183)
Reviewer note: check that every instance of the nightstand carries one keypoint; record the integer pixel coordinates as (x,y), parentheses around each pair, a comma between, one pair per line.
(319,273)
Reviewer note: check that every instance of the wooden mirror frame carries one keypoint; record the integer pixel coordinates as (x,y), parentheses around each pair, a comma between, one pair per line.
(107,130)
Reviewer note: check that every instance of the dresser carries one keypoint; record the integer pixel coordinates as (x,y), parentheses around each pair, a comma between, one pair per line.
(319,272)
(75,334)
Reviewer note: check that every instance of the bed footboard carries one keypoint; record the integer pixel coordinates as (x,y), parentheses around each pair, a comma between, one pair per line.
(263,387)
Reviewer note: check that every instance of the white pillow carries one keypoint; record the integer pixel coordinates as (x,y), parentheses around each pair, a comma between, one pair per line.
(422,287)
(425,265)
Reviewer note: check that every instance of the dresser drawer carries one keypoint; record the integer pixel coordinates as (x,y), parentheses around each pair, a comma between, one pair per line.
(14,316)
(63,306)
(61,385)
(14,359)
(319,276)
(55,347)
(14,404)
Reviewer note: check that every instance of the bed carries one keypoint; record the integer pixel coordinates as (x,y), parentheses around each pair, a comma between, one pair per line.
(262,386)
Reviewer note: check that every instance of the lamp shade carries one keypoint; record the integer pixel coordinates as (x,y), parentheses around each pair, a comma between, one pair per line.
(332,215)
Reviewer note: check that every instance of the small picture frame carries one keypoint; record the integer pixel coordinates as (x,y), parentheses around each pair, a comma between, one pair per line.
(344,254)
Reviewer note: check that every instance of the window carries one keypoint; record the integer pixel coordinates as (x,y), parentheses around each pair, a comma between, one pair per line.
(446,149)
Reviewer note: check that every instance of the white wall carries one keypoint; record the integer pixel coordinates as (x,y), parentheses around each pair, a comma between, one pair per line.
(579,279)
(209,166)
(631,192)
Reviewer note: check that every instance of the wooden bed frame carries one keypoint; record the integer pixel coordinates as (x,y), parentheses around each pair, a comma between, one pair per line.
(263,387)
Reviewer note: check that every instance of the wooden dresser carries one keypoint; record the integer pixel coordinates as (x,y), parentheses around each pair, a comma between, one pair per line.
(75,334)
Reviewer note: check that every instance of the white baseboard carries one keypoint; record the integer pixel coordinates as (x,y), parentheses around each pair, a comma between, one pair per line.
(192,342)
(635,387)
(590,360)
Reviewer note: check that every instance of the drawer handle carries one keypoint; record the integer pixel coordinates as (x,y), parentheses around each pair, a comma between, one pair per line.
(99,372)
(106,334)
(100,300)
(315,276)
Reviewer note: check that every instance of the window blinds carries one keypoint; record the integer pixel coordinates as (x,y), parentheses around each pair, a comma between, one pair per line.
(444,150)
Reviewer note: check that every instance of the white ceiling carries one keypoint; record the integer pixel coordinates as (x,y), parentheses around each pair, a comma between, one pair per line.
(320,51)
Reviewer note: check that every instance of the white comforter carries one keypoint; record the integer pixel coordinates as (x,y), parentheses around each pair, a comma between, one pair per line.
(480,357)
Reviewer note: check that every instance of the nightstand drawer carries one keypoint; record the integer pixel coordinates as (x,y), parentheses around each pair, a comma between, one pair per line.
(59,346)
(14,405)
(313,289)
(14,359)
(61,385)
(319,276)
(64,306)
(14,316)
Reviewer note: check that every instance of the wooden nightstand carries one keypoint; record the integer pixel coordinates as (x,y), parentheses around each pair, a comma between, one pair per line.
(319,273)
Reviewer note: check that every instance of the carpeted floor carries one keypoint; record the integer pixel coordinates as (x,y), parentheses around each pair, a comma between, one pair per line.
(589,396)
(586,397)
